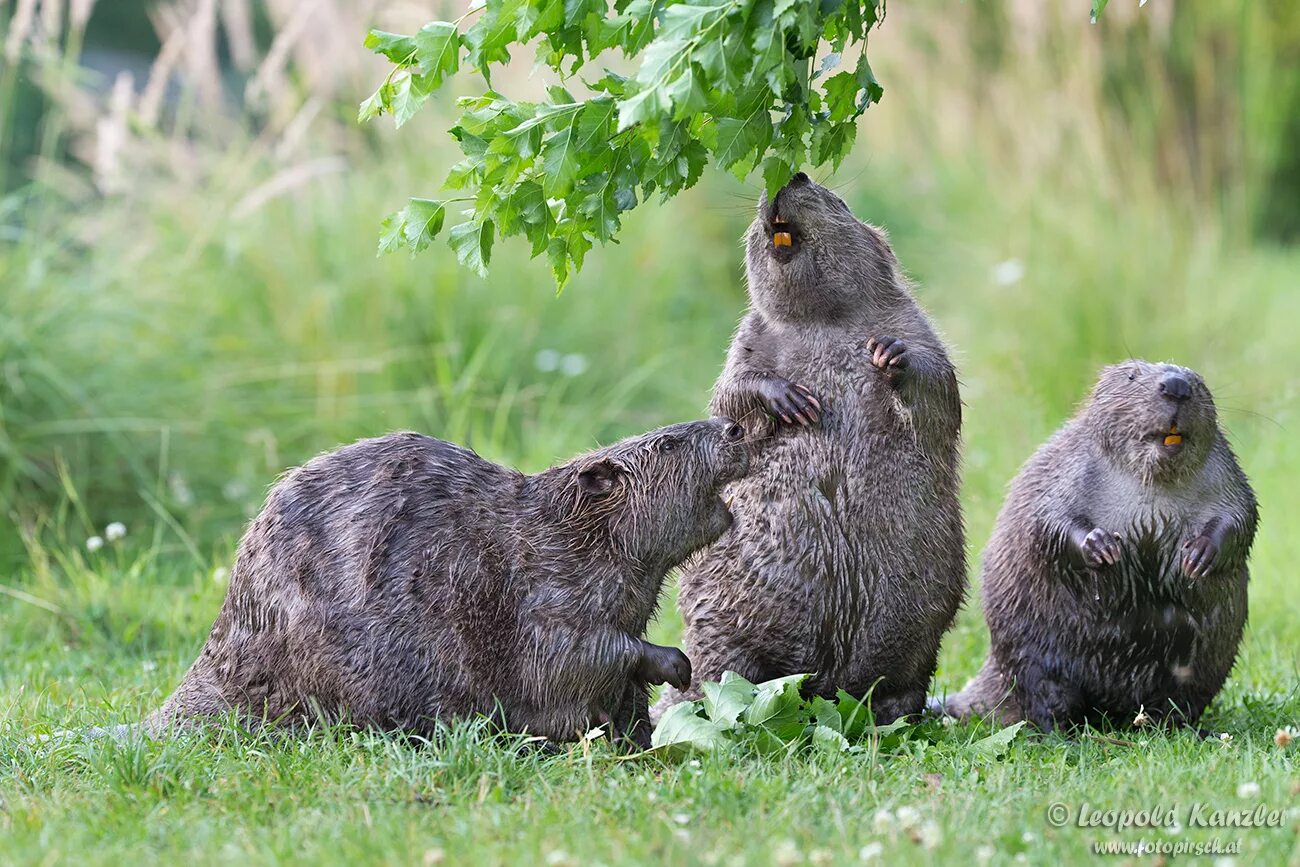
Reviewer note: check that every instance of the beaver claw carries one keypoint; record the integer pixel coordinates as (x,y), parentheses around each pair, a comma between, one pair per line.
(888,354)
(1101,548)
(790,401)
(1199,555)
(664,665)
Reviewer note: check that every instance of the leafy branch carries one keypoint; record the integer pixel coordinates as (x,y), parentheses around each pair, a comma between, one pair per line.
(727,81)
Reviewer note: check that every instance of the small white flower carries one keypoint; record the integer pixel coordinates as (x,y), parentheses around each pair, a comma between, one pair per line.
(573,365)
(180,489)
(1225,738)
(94,543)
(1248,790)
(984,854)
(1027,837)
(1284,736)
(235,490)
(786,854)
(930,835)
(882,821)
(1009,272)
(908,817)
(115,531)
(681,818)
(948,721)
(597,732)
(148,665)
(871,851)
(220,574)
(546,360)
(1142,717)
(694,763)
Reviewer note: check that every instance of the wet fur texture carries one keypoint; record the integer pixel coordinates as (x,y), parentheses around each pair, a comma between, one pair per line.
(1076,637)
(847,557)
(402,580)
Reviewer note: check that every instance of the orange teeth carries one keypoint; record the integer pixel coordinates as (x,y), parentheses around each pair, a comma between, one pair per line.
(1174,438)
(782,239)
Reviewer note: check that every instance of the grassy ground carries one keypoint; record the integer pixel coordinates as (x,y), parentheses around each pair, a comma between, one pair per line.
(165,373)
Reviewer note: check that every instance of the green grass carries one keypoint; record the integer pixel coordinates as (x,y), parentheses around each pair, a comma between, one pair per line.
(161,361)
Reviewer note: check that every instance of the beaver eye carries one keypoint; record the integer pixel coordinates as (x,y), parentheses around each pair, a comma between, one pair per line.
(1132,376)
(668,445)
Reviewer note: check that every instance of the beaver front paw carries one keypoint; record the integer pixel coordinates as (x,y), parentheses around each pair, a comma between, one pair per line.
(790,401)
(1199,556)
(664,665)
(1100,548)
(889,354)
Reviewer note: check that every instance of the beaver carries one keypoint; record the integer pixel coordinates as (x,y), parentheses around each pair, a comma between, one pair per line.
(1114,583)
(403,580)
(847,557)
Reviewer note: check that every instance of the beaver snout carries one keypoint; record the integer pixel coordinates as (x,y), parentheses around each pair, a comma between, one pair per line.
(1175,387)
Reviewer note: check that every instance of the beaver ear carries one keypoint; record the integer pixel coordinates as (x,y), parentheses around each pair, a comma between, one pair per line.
(598,477)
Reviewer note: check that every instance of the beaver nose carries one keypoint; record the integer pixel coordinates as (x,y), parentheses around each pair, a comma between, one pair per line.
(1175,387)
(733,433)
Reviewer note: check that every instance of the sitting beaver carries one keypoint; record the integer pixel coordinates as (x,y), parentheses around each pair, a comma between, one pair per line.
(847,559)
(402,580)
(1115,580)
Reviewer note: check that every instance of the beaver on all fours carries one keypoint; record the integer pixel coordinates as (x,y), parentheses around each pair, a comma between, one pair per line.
(403,580)
(847,557)
(1115,580)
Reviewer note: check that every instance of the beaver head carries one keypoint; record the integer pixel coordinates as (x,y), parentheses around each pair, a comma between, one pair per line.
(656,498)
(1156,419)
(809,259)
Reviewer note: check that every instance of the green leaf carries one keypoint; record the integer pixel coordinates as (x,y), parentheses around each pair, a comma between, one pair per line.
(737,138)
(407,97)
(726,700)
(396,47)
(776,173)
(778,707)
(437,51)
(422,221)
(841,91)
(1098,7)
(640,108)
(414,227)
(472,242)
(374,105)
(562,159)
(828,740)
(686,94)
(855,716)
(681,730)
(996,745)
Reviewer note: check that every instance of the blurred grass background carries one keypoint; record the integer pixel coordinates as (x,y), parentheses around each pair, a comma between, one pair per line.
(190,301)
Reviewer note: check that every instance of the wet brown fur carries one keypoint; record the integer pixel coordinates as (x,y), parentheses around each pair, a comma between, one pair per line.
(847,557)
(403,580)
(1115,579)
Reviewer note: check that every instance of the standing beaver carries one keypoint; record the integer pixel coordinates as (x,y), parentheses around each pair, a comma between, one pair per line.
(847,557)
(1115,580)
(402,580)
